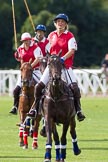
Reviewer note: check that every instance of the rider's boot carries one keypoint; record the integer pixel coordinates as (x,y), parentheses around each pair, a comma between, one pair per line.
(16,94)
(37,93)
(76,92)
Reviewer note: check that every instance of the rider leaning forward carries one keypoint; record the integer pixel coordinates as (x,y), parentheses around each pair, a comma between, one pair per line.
(61,39)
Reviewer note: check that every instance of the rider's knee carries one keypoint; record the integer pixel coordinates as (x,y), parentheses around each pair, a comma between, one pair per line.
(75,89)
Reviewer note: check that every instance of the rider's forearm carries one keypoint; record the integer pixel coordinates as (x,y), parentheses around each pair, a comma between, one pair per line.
(69,54)
(35,62)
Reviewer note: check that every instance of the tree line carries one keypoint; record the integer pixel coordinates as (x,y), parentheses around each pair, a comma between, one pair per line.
(88,22)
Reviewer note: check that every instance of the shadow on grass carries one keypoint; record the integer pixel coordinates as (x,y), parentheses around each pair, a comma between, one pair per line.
(94,148)
(94,140)
(30,157)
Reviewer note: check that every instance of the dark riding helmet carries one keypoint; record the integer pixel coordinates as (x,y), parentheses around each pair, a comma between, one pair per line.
(62,16)
(40,27)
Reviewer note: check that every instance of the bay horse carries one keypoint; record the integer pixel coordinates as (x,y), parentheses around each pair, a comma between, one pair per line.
(26,100)
(58,107)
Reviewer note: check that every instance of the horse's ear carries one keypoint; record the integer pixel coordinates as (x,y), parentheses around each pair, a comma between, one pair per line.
(30,61)
(60,52)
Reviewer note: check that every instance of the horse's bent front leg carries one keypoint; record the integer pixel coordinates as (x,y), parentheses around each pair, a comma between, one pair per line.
(76,149)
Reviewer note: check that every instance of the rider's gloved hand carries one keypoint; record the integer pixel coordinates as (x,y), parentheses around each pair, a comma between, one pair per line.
(62,59)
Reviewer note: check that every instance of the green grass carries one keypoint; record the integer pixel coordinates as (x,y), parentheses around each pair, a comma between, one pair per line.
(92,135)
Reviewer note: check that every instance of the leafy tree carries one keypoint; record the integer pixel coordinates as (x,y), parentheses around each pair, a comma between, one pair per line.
(88,22)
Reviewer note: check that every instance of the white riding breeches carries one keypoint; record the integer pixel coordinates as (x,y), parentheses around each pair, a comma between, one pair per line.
(37,75)
(67,75)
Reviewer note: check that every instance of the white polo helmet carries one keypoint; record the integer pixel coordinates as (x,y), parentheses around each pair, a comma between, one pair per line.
(25,36)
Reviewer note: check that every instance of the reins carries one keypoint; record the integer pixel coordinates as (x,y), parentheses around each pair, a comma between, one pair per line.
(56,85)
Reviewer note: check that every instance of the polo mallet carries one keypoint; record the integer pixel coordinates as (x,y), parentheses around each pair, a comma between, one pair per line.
(14,24)
(30,17)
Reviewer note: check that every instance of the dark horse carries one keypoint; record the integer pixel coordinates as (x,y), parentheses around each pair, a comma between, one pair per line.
(58,107)
(26,100)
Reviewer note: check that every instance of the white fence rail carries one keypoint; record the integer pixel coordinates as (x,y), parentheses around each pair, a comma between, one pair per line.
(90,81)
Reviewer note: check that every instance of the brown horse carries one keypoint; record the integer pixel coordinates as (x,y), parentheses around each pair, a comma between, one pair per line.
(26,100)
(58,107)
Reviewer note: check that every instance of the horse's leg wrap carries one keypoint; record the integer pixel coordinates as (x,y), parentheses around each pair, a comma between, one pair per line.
(21,131)
(77,95)
(48,151)
(25,138)
(76,149)
(63,152)
(57,148)
(35,140)
(16,94)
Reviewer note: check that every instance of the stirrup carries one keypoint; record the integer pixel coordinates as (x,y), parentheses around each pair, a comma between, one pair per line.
(32,113)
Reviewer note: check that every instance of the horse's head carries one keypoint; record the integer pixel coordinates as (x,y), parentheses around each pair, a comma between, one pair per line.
(26,73)
(55,67)
(43,63)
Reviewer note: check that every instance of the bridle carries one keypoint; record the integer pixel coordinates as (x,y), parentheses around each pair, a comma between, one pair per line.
(56,83)
(27,78)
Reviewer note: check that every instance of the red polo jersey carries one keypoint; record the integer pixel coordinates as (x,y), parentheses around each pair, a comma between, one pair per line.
(61,43)
(26,55)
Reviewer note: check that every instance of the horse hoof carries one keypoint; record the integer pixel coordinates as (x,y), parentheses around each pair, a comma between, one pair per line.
(62,160)
(21,144)
(78,152)
(25,147)
(34,147)
(47,160)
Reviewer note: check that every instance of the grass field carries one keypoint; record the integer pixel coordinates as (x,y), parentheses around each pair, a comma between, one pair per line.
(92,135)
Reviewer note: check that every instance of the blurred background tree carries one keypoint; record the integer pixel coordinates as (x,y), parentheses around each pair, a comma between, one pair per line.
(88,22)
